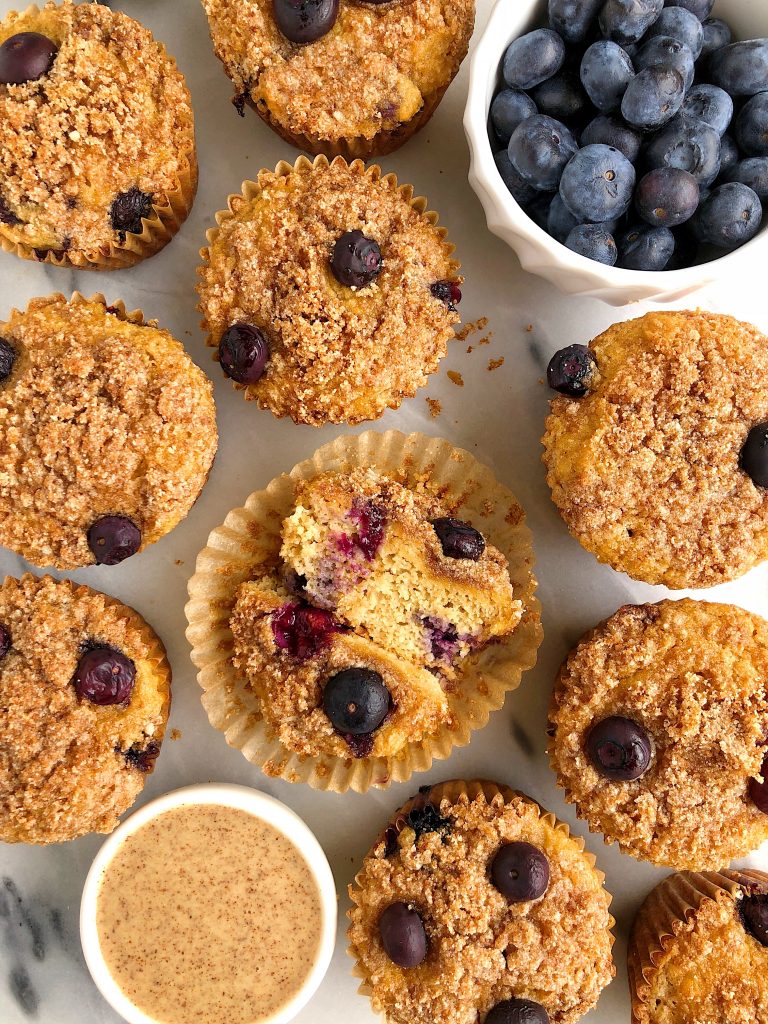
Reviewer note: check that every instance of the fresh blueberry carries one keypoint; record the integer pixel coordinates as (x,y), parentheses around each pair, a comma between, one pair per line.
(653,97)
(560,221)
(729,156)
(517,1011)
(627,21)
(539,149)
(612,131)
(574,19)
(5,640)
(711,104)
(458,539)
(112,539)
(304,21)
(26,57)
(754,459)
(538,209)
(680,24)
(701,8)
(689,144)
(729,217)
(533,58)
(597,184)
(741,68)
(356,701)
(571,371)
(509,108)
(666,52)
(752,172)
(356,260)
(104,677)
(561,97)
(519,189)
(402,935)
(619,748)
(717,34)
(243,353)
(606,71)
(7,359)
(667,197)
(751,128)
(645,248)
(520,871)
(595,242)
(754,914)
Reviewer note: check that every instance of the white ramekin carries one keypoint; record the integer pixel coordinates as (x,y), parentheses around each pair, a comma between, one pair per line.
(253,802)
(537,251)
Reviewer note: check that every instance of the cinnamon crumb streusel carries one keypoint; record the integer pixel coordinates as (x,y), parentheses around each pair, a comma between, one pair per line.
(68,765)
(484,945)
(101,419)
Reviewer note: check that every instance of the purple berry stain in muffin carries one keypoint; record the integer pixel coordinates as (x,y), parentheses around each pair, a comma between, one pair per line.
(301,630)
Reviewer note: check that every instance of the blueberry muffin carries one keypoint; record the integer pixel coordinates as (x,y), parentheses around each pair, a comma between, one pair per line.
(656,449)
(107,432)
(341,77)
(476,905)
(698,953)
(328,292)
(84,699)
(97,146)
(659,721)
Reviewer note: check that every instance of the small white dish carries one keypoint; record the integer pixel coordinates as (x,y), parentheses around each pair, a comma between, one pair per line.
(241,798)
(537,251)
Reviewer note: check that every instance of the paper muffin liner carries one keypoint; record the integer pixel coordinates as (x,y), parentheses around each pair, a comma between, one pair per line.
(249,190)
(169,211)
(667,912)
(453,790)
(250,539)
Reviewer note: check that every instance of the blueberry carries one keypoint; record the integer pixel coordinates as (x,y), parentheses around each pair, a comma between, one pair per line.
(517,1011)
(754,915)
(711,104)
(597,184)
(701,8)
(128,209)
(538,209)
(519,189)
(402,935)
(667,197)
(560,220)
(561,97)
(509,108)
(627,21)
(459,539)
(301,630)
(142,758)
(729,217)
(717,34)
(572,370)
(356,701)
(754,455)
(112,539)
(447,292)
(7,359)
(533,58)
(356,260)
(606,71)
(680,24)
(758,791)
(653,97)
(612,131)
(729,156)
(595,242)
(689,144)
(752,172)
(26,57)
(665,52)
(104,676)
(741,68)
(520,871)
(645,248)
(243,353)
(619,748)
(751,128)
(304,21)
(539,149)
(574,19)
(5,640)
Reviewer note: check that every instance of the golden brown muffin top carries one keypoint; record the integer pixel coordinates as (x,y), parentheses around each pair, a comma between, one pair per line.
(112,117)
(99,416)
(337,354)
(375,69)
(482,949)
(645,468)
(69,766)
(693,676)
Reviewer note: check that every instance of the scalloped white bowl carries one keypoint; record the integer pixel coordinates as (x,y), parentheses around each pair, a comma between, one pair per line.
(537,251)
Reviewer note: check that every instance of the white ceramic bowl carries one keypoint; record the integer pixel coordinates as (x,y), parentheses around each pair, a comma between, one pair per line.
(537,251)
(253,802)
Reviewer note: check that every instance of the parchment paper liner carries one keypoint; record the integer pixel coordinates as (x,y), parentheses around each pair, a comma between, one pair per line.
(250,189)
(453,790)
(666,913)
(250,537)
(169,211)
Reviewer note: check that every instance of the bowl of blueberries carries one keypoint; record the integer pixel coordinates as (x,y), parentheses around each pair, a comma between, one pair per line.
(621,146)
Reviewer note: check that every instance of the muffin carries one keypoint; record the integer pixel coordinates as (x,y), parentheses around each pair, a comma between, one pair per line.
(84,699)
(107,432)
(656,449)
(475,904)
(698,952)
(339,77)
(363,614)
(328,291)
(659,721)
(97,146)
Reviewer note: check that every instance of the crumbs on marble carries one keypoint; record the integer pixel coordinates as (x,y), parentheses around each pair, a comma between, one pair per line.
(175,734)
(435,408)
(494,364)
(456,378)
(529,328)
(179,561)
(471,328)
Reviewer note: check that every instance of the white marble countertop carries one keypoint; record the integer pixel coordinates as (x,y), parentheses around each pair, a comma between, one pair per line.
(497,415)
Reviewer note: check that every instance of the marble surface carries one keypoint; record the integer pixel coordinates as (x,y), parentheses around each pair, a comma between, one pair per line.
(498,415)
